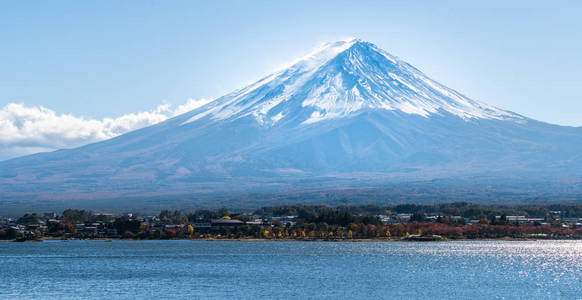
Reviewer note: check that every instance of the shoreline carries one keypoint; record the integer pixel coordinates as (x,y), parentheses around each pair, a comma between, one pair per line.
(356,240)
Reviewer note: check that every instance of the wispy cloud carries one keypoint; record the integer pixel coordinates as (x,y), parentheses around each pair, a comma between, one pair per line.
(30,129)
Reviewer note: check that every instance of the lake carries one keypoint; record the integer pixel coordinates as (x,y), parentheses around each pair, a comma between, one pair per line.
(290,270)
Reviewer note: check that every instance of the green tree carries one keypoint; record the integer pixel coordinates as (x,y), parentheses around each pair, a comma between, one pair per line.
(76,216)
(418,217)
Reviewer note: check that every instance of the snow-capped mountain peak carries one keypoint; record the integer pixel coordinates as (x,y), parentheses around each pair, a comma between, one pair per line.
(346,113)
(340,79)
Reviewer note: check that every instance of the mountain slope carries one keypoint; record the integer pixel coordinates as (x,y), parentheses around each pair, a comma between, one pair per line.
(348,110)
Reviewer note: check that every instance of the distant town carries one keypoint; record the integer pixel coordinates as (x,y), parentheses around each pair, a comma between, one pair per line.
(449,221)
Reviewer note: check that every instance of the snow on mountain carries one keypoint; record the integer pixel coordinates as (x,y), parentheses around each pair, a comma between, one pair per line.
(345,78)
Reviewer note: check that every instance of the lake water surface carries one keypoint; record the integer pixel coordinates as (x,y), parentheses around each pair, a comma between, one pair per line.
(290,270)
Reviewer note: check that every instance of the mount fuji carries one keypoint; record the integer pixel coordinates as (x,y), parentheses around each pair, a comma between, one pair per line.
(348,113)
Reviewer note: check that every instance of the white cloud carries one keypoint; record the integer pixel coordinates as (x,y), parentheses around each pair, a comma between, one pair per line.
(190,105)
(31,129)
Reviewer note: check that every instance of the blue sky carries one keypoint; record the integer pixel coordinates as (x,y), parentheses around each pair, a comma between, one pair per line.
(112,58)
